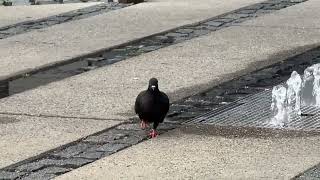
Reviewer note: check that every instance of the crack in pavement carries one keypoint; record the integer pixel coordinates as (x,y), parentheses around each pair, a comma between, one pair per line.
(58,116)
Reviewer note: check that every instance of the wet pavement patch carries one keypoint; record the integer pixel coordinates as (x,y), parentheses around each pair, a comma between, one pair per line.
(27,26)
(78,65)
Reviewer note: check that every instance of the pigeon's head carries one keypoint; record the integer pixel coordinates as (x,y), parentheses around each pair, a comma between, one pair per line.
(153,84)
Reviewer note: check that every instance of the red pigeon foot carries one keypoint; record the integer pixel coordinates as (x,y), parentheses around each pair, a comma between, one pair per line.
(153,133)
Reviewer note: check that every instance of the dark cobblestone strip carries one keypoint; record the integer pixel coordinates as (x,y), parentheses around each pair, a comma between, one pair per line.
(89,149)
(92,61)
(310,174)
(27,26)
(79,153)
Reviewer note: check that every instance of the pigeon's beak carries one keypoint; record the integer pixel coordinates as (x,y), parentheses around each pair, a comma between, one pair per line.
(153,87)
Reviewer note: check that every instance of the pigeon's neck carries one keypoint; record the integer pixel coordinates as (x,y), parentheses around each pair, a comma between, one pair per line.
(156,91)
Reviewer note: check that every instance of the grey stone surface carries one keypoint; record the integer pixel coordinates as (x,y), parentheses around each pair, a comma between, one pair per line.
(24,27)
(185,31)
(39,176)
(73,150)
(236,16)
(313,173)
(91,155)
(96,84)
(73,40)
(176,35)
(35,165)
(106,137)
(193,154)
(10,175)
(132,139)
(298,16)
(230,32)
(214,23)
(70,162)
(111,147)
(55,170)
(28,136)
(135,127)
(17,14)
(306,178)
(226,20)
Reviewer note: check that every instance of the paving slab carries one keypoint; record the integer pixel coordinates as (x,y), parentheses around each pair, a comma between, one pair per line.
(183,69)
(16,14)
(305,15)
(68,40)
(22,137)
(185,154)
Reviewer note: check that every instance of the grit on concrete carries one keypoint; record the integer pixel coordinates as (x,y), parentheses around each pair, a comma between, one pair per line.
(22,137)
(304,16)
(64,41)
(181,154)
(16,14)
(182,69)
(184,154)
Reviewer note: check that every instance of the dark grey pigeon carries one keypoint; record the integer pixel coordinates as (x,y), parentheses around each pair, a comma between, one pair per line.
(152,106)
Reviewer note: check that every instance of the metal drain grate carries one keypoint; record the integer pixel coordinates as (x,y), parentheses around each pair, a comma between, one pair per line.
(254,111)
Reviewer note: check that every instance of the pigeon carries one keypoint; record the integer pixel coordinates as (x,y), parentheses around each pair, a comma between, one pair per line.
(152,106)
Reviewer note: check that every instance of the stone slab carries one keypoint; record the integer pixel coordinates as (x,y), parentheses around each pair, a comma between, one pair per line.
(22,137)
(304,15)
(184,154)
(15,14)
(182,69)
(57,43)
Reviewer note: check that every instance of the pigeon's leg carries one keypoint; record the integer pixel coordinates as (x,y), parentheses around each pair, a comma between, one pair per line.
(153,132)
(143,124)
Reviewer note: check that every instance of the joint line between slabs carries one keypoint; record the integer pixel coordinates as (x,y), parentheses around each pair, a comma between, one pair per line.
(64,117)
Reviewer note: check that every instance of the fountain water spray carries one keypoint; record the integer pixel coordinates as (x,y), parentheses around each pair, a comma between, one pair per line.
(294,93)
(316,84)
(279,106)
(286,101)
(307,97)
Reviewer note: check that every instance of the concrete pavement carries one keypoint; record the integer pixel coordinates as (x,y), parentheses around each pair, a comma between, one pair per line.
(304,16)
(182,69)
(196,64)
(22,137)
(98,99)
(193,154)
(184,154)
(68,40)
(16,14)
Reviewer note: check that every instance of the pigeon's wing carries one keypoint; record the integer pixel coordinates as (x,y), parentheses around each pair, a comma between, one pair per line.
(164,106)
(137,105)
